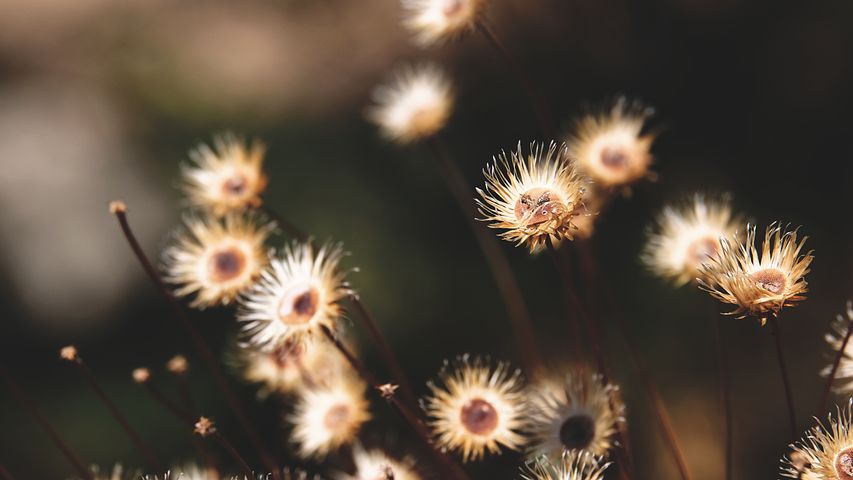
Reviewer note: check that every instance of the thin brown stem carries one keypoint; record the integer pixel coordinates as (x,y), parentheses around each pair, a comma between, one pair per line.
(189,420)
(387,392)
(190,406)
(120,212)
(592,335)
(830,379)
(386,353)
(783,369)
(661,415)
(288,227)
(725,391)
(507,283)
(137,441)
(25,401)
(5,474)
(520,74)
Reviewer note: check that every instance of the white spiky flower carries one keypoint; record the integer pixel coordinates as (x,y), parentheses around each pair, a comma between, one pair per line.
(377,465)
(435,21)
(416,105)
(575,465)
(297,294)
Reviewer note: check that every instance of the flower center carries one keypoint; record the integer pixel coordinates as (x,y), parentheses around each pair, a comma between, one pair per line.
(844,464)
(614,157)
(701,250)
(770,279)
(336,418)
(453,8)
(538,206)
(479,417)
(577,432)
(235,185)
(226,264)
(299,307)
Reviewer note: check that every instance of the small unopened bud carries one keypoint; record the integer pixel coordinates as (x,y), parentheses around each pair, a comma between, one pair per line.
(204,426)
(117,206)
(141,375)
(178,365)
(69,353)
(387,390)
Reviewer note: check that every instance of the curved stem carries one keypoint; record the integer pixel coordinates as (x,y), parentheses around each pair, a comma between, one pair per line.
(725,392)
(513,299)
(789,396)
(120,212)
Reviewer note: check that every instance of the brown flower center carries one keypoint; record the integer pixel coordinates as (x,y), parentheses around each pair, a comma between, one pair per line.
(844,464)
(479,417)
(614,157)
(701,250)
(453,8)
(299,308)
(538,206)
(235,185)
(770,279)
(336,418)
(226,264)
(577,432)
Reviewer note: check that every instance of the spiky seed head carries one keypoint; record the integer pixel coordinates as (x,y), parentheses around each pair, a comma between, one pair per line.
(825,452)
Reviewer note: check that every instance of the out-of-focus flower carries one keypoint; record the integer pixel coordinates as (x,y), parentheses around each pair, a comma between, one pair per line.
(835,338)
(434,21)
(217,259)
(758,284)
(415,106)
(290,365)
(377,465)
(476,407)
(533,198)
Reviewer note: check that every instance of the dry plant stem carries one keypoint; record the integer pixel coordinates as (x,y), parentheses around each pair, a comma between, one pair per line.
(199,343)
(783,368)
(5,474)
(830,379)
(27,403)
(661,414)
(146,451)
(188,419)
(519,315)
(725,390)
(387,354)
(450,467)
(592,336)
(520,74)
(286,226)
(189,405)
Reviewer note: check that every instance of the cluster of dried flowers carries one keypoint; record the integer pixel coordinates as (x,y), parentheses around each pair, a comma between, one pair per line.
(570,423)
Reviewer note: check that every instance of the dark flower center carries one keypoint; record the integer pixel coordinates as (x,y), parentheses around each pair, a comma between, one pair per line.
(614,157)
(537,206)
(702,249)
(235,185)
(226,264)
(299,309)
(479,416)
(770,279)
(844,464)
(577,432)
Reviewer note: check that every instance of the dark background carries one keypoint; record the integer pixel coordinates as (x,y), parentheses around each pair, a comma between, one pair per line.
(100,101)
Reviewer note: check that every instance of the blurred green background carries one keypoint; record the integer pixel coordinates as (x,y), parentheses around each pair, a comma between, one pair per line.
(102,100)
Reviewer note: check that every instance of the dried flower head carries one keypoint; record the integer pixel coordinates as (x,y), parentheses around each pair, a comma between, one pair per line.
(300,291)
(686,236)
(217,259)
(329,416)
(476,407)
(178,365)
(580,412)
(377,465)
(577,465)
(610,148)
(758,284)
(435,21)
(141,375)
(825,453)
(835,338)
(290,364)
(226,177)
(415,106)
(534,198)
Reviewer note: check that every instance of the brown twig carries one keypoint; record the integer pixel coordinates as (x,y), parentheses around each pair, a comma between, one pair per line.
(520,75)
(661,414)
(387,392)
(25,401)
(137,441)
(288,227)
(830,379)
(119,209)
(783,369)
(510,290)
(725,391)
